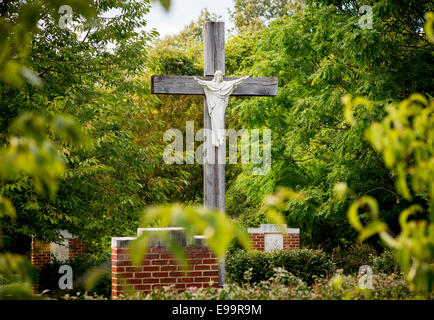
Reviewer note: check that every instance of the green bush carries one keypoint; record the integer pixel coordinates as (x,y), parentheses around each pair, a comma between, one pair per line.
(48,276)
(386,263)
(352,257)
(385,287)
(305,264)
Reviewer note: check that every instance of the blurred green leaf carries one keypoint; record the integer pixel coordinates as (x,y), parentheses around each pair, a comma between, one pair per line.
(164,3)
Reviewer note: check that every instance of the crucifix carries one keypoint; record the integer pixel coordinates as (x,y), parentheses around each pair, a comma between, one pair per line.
(217,90)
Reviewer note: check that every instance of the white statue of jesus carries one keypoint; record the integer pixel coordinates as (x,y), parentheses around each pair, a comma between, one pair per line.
(217,94)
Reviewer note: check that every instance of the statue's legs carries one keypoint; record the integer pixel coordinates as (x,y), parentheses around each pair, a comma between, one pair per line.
(218,128)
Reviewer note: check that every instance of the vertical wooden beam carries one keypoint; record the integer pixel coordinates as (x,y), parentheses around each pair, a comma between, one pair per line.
(214,48)
(214,158)
(209,167)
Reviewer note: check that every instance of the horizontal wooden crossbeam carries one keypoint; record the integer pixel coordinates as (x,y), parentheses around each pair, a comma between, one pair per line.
(265,87)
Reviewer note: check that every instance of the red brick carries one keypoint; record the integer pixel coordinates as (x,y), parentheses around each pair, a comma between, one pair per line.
(176,274)
(150,280)
(160,274)
(194,273)
(142,274)
(166,256)
(202,267)
(168,280)
(133,269)
(210,261)
(153,268)
(118,269)
(168,268)
(134,281)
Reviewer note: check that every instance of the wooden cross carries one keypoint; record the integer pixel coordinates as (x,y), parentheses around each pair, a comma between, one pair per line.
(214,59)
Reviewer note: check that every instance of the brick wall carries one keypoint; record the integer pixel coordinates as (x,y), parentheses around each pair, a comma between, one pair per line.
(159,268)
(290,239)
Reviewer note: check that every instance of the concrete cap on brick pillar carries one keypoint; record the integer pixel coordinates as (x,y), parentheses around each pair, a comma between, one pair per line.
(175,234)
(122,242)
(174,230)
(273,228)
(199,241)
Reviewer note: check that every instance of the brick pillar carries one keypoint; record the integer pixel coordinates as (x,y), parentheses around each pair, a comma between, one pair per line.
(77,248)
(269,237)
(160,268)
(291,241)
(40,254)
(69,249)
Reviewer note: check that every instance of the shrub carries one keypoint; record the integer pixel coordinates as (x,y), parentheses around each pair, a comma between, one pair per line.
(386,263)
(48,276)
(386,287)
(352,257)
(305,264)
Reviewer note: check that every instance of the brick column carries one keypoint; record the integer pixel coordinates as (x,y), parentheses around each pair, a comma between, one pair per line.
(269,237)
(40,254)
(70,248)
(77,248)
(160,268)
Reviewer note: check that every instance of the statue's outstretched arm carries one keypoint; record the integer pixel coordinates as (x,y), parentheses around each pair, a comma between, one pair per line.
(201,82)
(238,81)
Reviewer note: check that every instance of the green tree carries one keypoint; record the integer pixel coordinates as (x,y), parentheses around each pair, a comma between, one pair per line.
(253,15)
(89,70)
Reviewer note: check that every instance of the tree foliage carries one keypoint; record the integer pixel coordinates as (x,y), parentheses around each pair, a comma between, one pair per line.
(405,139)
(319,55)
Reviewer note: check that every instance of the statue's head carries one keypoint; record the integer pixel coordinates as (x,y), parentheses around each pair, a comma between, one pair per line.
(218,76)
